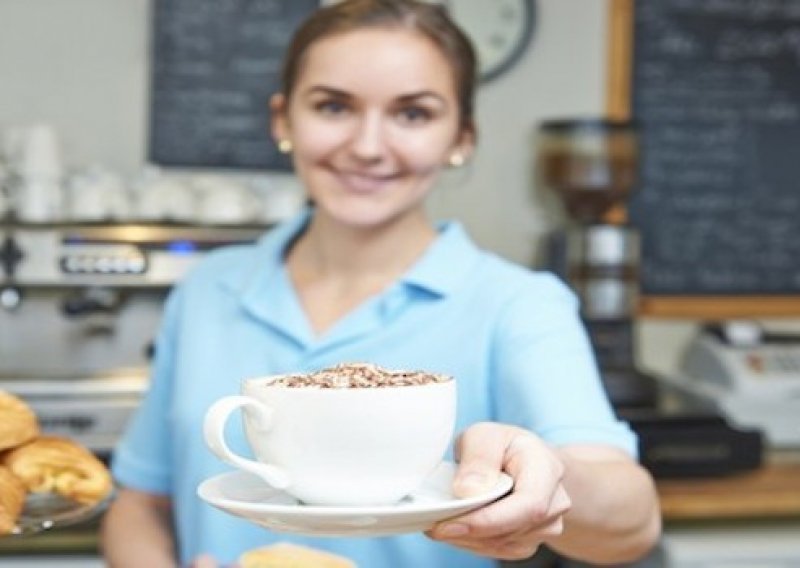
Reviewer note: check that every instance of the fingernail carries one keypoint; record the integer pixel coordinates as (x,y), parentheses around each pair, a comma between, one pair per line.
(452,530)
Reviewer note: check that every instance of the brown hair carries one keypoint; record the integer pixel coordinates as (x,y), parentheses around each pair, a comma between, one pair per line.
(427,19)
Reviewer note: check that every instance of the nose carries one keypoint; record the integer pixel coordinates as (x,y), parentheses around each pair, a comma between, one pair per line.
(369,139)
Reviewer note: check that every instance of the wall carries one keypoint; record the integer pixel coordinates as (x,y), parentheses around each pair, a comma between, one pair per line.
(82,65)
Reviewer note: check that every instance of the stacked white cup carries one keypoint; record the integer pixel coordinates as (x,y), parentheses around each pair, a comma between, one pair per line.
(41,175)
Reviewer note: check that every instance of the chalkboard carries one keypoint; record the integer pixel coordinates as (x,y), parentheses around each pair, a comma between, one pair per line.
(215,64)
(716,93)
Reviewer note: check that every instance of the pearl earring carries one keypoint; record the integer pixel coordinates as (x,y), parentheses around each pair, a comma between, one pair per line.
(285,146)
(456,159)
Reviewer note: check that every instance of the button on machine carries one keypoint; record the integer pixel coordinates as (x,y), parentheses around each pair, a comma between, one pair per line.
(102,259)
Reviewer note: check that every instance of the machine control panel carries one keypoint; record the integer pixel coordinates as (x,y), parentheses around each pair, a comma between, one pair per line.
(139,256)
(102,259)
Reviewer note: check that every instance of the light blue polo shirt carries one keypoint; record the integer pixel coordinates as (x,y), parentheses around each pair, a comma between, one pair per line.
(511,337)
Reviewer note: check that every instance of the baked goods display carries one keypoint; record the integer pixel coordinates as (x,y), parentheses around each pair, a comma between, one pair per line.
(12,499)
(56,464)
(285,555)
(31,462)
(18,423)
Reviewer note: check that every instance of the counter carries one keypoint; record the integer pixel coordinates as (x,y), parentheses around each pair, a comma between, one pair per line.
(770,492)
(745,519)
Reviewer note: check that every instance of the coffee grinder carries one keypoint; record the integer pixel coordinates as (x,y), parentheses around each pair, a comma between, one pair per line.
(591,166)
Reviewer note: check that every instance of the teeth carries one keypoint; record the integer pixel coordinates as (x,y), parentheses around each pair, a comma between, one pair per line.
(368,177)
(364,182)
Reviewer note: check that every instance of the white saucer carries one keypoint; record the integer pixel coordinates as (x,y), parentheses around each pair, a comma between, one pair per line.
(246,495)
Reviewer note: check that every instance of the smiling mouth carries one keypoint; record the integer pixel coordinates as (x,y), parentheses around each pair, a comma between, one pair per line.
(365,183)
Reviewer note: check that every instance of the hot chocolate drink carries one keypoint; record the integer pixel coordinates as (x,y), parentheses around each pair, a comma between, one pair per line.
(350,435)
(359,375)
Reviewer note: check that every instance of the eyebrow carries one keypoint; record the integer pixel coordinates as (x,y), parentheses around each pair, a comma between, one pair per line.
(331,91)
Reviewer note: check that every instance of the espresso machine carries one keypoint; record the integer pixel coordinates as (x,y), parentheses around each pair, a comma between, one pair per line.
(591,166)
(79,307)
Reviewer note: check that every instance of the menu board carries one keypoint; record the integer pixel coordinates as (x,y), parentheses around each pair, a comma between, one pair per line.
(715,89)
(215,64)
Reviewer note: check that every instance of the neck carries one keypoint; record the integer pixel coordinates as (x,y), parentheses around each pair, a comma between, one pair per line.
(352,254)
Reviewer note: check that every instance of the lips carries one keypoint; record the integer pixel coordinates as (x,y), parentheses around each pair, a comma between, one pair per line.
(359,182)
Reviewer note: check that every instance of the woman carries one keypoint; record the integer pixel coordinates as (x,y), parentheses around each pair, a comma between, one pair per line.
(376,102)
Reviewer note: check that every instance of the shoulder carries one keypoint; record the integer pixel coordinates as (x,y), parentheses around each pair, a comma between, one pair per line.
(516,283)
(234,266)
(457,264)
(220,273)
(228,263)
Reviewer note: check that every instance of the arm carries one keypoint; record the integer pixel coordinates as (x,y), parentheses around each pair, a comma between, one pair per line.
(587,502)
(137,531)
(615,515)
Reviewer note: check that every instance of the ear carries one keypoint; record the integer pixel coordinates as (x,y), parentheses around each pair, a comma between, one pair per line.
(279,123)
(465,143)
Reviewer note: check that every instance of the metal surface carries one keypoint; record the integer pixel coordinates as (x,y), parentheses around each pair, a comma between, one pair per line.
(113,255)
(80,306)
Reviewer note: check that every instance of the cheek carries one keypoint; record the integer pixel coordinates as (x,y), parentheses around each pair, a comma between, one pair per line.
(426,154)
(312,140)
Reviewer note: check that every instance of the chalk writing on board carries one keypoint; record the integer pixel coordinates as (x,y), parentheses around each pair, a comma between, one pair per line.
(716,91)
(215,64)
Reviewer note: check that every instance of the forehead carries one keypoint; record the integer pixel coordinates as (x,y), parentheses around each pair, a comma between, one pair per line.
(395,59)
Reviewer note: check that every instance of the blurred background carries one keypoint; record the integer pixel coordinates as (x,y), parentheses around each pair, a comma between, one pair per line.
(101,214)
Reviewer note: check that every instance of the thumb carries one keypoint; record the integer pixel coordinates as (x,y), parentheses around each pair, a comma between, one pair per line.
(480,451)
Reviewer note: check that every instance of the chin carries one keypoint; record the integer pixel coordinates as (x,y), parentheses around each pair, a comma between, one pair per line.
(362,215)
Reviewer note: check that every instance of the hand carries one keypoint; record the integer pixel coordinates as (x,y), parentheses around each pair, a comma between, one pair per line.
(207,561)
(514,527)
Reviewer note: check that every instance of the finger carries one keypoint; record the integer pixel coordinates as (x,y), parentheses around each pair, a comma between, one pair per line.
(529,501)
(204,561)
(561,502)
(537,499)
(536,470)
(481,450)
(515,548)
(505,518)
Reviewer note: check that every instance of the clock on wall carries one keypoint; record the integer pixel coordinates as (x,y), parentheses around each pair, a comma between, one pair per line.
(500,30)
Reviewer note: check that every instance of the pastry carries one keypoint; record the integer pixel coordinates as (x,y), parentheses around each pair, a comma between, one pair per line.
(56,464)
(285,555)
(18,423)
(12,499)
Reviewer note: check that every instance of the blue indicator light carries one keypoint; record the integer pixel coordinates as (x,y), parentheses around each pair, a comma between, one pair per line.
(181,247)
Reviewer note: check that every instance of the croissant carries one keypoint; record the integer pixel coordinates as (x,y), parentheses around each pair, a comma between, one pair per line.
(12,499)
(284,555)
(18,423)
(56,464)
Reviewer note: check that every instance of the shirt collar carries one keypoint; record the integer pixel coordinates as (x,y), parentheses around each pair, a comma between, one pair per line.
(265,285)
(444,265)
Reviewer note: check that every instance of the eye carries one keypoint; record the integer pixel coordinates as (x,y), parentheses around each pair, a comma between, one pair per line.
(331,107)
(414,115)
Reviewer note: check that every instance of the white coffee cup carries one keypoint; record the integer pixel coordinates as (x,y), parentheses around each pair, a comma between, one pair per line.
(41,153)
(223,201)
(339,446)
(98,194)
(161,198)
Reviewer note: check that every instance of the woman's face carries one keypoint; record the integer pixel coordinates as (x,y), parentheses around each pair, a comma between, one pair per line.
(373,119)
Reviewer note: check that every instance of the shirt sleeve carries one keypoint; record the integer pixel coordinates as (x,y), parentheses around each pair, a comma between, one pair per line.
(547,378)
(141,459)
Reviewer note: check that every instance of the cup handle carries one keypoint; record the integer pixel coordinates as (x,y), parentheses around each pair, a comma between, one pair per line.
(214,428)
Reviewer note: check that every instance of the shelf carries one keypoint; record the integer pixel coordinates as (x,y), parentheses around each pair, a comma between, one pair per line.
(770,492)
